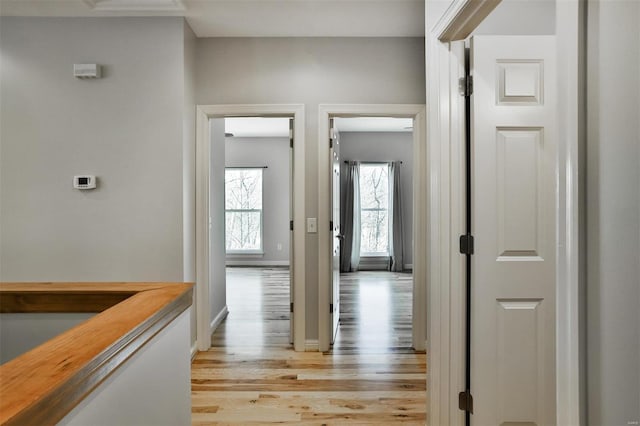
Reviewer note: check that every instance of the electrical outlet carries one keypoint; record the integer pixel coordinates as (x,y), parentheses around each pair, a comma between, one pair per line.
(279,246)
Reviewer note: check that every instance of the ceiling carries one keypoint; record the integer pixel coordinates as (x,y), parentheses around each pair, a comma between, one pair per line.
(251,18)
(374,124)
(258,127)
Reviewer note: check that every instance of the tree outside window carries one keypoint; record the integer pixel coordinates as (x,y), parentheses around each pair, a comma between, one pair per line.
(374,209)
(243,210)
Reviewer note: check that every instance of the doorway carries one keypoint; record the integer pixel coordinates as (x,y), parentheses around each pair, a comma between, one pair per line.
(257,210)
(235,232)
(377,276)
(374,199)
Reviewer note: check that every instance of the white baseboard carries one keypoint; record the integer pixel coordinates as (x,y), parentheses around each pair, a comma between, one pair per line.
(250,262)
(194,350)
(311,345)
(218,319)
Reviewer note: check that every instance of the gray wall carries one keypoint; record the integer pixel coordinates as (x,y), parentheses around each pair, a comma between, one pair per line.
(520,17)
(273,153)
(385,146)
(189,167)
(126,128)
(310,71)
(21,332)
(613,213)
(217,273)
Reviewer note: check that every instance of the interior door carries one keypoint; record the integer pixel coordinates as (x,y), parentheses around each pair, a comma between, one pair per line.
(513,215)
(291,252)
(334,308)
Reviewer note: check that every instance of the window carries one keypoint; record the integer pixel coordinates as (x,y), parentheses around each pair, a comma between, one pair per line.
(243,210)
(374,209)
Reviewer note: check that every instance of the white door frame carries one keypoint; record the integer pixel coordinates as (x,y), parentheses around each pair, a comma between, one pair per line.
(418,113)
(203,141)
(445,138)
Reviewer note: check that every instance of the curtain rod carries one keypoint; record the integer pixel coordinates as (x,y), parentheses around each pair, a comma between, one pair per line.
(372,162)
(247,167)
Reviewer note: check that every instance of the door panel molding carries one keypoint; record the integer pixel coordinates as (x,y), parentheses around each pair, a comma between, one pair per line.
(513,303)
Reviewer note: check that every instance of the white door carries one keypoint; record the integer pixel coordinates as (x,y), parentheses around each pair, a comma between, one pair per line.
(513,211)
(334,308)
(291,252)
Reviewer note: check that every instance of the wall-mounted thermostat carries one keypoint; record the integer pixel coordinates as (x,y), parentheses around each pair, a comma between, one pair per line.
(86,70)
(84,182)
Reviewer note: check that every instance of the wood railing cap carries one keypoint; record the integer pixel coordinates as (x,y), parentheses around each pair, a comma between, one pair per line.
(44,384)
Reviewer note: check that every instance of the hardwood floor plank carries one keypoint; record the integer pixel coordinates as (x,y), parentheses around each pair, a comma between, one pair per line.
(292,383)
(202,397)
(367,418)
(301,404)
(251,376)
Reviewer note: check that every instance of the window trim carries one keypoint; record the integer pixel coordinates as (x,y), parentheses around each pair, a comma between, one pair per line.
(249,252)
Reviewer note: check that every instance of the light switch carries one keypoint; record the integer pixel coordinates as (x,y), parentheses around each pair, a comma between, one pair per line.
(312,225)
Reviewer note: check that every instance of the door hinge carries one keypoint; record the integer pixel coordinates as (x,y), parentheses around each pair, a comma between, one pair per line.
(291,225)
(466,244)
(291,307)
(291,143)
(465,401)
(331,308)
(330,143)
(465,86)
(330,225)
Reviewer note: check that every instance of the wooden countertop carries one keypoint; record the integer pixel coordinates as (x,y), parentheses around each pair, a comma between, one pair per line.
(44,384)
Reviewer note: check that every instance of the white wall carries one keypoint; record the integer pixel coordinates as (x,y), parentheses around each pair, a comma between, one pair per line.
(613,212)
(19,333)
(384,146)
(273,153)
(126,128)
(217,252)
(310,71)
(152,388)
(189,167)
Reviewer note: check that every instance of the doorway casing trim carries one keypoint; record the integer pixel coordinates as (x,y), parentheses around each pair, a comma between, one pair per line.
(418,113)
(203,137)
(444,55)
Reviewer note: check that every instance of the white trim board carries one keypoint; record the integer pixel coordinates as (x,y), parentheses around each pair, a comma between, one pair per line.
(418,113)
(311,345)
(203,137)
(446,209)
(462,17)
(218,320)
(445,311)
(194,351)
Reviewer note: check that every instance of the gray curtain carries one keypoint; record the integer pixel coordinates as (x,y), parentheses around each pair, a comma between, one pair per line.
(396,240)
(350,220)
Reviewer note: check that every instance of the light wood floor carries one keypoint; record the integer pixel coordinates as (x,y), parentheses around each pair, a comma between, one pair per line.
(375,312)
(252,376)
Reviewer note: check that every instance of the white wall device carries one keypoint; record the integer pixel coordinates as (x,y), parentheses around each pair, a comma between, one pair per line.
(86,70)
(84,182)
(312,225)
